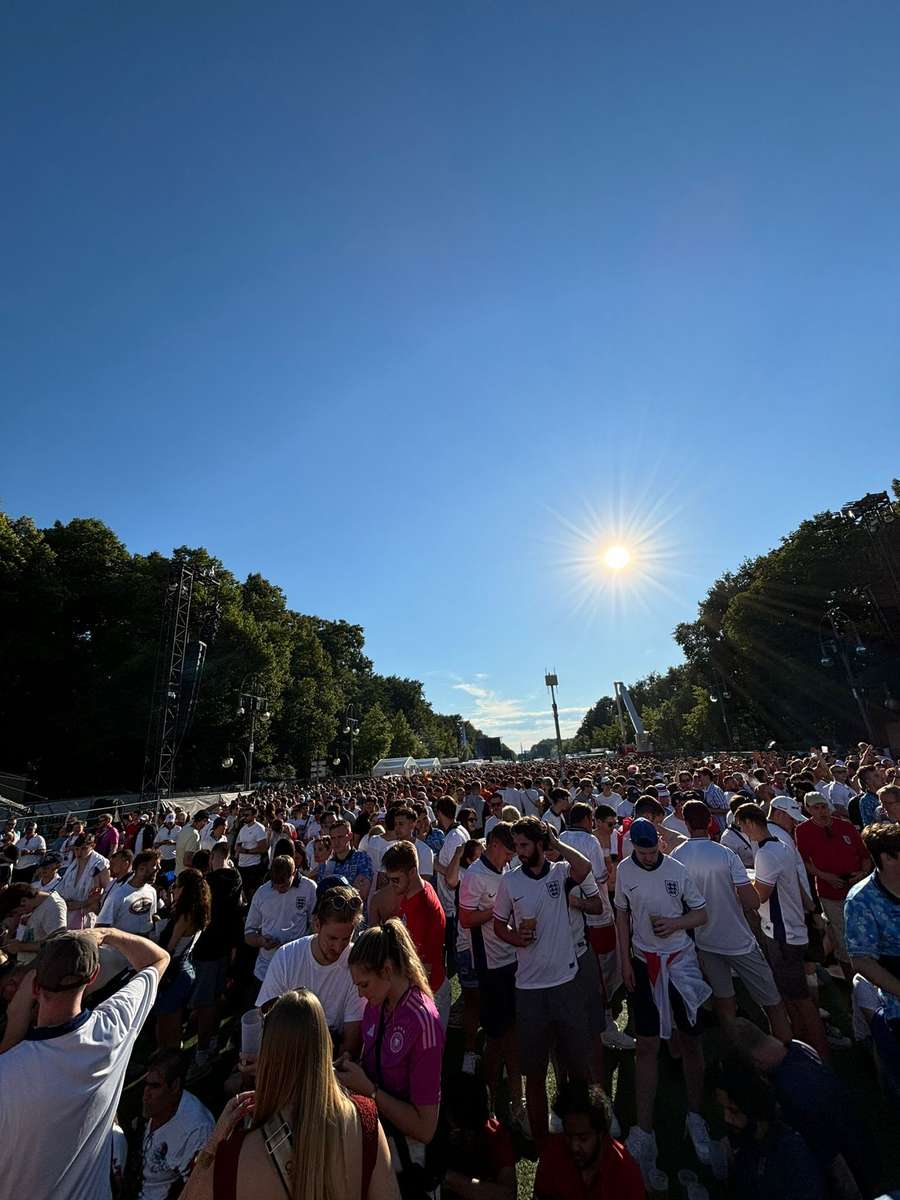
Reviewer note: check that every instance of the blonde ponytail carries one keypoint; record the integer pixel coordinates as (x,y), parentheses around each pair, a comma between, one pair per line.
(390,943)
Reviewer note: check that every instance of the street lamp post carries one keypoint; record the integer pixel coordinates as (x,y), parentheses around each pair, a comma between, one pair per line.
(351,730)
(841,633)
(552,682)
(256,702)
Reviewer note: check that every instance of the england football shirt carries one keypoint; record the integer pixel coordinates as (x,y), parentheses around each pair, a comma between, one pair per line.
(665,890)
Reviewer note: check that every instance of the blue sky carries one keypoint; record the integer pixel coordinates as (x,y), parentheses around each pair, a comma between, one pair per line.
(438,300)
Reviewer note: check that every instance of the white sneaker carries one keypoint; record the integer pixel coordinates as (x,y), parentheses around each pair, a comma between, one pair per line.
(641,1145)
(698,1131)
(614,1039)
(469,1063)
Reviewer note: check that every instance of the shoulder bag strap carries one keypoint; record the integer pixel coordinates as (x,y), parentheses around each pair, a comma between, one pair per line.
(279,1147)
(368,1119)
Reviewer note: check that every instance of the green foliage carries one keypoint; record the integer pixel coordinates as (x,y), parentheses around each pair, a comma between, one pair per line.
(757,646)
(79,629)
(374,740)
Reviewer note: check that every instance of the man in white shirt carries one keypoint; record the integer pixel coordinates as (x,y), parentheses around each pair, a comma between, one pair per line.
(657,903)
(39,913)
(726,943)
(71,1063)
(675,821)
(560,803)
(783,908)
(131,904)
(165,841)
(405,821)
(531,913)
(188,841)
(32,848)
(530,799)
(320,962)
(280,912)
(176,1129)
(495,964)
(838,792)
(252,847)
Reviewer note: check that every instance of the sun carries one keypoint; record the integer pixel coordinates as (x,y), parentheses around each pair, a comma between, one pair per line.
(617,557)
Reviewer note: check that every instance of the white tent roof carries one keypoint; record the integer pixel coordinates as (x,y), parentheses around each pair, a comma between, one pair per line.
(393,766)
(428,764)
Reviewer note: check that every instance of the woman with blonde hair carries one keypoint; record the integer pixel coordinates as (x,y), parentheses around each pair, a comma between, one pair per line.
(403,1042)
(308,1138)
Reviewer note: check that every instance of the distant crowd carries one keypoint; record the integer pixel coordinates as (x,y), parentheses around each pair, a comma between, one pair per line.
(408,986)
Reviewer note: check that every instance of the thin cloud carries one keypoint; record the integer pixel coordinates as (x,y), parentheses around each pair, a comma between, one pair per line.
(511,720)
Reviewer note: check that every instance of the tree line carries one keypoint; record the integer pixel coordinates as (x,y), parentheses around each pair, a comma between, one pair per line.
(780,646)
(79,630)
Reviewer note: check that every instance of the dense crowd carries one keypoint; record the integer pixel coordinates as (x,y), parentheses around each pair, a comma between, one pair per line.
(299,954)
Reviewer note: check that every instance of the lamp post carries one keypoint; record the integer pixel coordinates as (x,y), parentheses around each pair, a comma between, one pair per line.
(256,702)
(552,683)
(351,730)
(835,641)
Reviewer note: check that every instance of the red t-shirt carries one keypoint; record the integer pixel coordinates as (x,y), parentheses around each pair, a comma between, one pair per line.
(557,1178)
(836,848)
(424,917)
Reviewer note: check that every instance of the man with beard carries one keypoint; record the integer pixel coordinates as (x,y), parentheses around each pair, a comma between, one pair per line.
(531,913)
(583,1162)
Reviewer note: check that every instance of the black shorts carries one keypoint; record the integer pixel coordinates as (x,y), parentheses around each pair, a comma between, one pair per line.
(498,1000)
(252,877)
(646,1014)
(788,971)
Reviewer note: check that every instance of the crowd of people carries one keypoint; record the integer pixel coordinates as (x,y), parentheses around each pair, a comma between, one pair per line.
(299,954)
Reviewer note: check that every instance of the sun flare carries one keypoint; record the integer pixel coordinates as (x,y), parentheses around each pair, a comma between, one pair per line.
(617,557)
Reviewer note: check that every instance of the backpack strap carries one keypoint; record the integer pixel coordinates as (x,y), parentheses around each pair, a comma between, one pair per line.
(368,1119)
(225,1166)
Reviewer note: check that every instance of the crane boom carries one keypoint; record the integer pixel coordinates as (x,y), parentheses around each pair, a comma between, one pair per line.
(623,697)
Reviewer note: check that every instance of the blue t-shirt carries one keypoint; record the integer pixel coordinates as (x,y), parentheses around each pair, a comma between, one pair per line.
(818,1105)
(868,802)
(872,930)
(356,865)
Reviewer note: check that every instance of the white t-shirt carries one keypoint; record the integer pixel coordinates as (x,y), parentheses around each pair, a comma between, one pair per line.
(188,843)
(477,891)
(31,851)
(585,843)
(374,845)
(166,833)
(549,960)
(660,891)
(717,871)
(531,802)
(249,835)
(676,825)
(72,1074)
(587,889)
(624,808)
(456,837)
(426,859)
(557,820)
(782,914)
(169,1151)
(786,840)
(740,844)
(131,909)
(284,916)
(50,916)
(295,966)
(208,840)
(513,796)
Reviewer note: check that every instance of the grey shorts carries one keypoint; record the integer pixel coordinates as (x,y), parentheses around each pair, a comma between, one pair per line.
(786,961)
(752,970)
(210,983)
(553,1016)
(591,988)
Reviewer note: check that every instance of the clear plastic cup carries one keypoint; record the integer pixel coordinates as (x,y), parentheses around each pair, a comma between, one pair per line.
(251,1032)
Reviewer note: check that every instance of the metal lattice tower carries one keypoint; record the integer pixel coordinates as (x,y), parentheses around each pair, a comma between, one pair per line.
(162,734)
